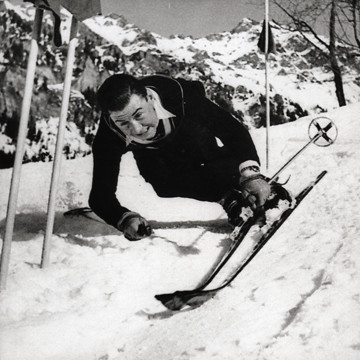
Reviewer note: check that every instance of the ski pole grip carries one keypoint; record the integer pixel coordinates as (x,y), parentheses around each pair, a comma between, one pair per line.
(144,230)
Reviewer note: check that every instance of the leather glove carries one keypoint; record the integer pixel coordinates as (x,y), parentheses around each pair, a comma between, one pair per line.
(255,189)
(233,202)
(134,226)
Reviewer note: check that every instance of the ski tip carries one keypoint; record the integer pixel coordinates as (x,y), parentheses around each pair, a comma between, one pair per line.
(171,301)
(179,299)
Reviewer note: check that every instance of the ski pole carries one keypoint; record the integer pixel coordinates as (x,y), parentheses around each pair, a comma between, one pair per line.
(322,132)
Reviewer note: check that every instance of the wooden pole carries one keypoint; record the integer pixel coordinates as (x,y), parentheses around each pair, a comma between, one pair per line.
(267,84)
(59,144)
(20,145)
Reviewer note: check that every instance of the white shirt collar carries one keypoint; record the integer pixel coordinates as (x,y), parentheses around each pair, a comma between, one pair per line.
(161,112)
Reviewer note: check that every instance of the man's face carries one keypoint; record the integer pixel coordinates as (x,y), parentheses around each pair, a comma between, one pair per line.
(138,119)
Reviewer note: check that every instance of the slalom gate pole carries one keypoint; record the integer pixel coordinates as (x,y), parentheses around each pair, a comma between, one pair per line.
(267,84)
(20,146)
(59,144)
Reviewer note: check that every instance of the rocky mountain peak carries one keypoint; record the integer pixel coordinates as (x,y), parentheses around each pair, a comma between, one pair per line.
(119,20)
(228,63)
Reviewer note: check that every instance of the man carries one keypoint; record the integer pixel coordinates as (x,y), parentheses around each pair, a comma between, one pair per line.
(184,146)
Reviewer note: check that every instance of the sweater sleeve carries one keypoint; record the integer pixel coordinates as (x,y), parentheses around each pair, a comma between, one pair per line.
(229,130)
(232,133)
(103,200)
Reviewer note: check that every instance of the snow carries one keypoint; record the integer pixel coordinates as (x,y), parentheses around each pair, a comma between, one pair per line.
(110,30)
(233,59)
(298,299)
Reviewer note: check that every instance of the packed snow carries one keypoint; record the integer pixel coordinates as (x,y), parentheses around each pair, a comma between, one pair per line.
(299,298)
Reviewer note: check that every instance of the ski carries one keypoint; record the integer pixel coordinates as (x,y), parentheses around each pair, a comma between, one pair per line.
(237,236)
(196,297)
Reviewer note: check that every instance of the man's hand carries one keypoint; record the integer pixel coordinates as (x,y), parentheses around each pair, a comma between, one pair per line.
(134,226)
(255,189)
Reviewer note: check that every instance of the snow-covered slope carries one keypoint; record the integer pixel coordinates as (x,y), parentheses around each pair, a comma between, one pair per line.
(299,299)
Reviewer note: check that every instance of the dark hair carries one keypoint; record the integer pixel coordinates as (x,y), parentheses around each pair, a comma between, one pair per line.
(116,90)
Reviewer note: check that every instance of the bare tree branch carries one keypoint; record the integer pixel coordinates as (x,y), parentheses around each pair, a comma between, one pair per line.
(313,11)
(356,35)
(300,25)
(344,36)
(333,55)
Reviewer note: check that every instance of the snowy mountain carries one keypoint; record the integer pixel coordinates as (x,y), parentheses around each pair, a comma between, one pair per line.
(229,64)
(299,298)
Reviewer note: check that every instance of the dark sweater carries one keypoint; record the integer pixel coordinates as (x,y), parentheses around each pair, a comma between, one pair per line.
(187,163)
